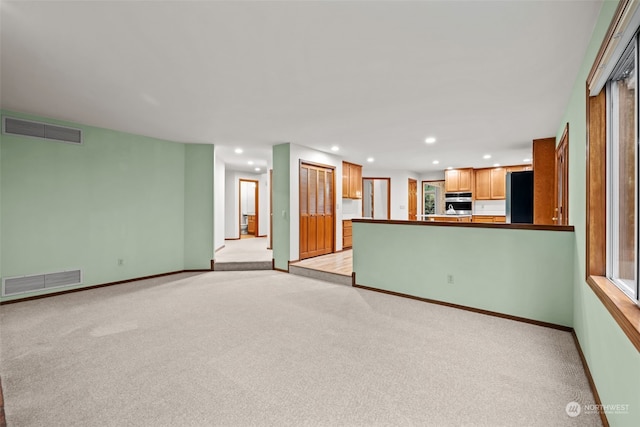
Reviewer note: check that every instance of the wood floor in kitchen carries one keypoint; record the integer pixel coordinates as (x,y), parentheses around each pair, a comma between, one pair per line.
(338,263)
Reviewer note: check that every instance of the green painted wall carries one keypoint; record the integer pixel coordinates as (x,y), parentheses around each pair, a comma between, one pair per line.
(523,273)
(281,205)
(612,359)
(198,206)
(117,196)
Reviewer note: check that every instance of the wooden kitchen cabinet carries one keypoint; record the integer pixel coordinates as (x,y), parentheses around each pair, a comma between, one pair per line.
(449,218)
(519,168)
(488,219)
(490,184)
(351,181)
(251,224)
(347,233)
(498,183)
(483,184)
(458,180)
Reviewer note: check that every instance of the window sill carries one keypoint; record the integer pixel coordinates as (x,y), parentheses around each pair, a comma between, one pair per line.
(623,310)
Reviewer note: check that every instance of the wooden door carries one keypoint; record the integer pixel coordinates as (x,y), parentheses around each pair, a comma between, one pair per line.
(562,180)
(413,199)
(316,210)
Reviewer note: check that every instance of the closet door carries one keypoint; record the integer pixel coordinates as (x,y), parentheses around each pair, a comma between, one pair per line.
(316,210)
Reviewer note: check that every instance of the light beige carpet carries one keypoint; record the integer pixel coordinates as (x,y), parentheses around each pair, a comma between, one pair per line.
(269,348)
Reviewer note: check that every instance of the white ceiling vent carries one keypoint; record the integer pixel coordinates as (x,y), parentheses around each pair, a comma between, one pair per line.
(13,126)
(21,284)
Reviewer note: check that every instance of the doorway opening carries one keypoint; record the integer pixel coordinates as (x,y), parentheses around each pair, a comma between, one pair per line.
(248,208)
(432,198)
(376,198)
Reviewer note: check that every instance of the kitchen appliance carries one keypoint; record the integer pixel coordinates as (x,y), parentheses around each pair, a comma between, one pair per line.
(519,201)
(458,203)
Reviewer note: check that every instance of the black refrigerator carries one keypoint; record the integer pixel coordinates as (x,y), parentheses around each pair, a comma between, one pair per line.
(520,197)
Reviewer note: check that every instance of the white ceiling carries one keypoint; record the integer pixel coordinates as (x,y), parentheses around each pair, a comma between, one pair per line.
(372,77)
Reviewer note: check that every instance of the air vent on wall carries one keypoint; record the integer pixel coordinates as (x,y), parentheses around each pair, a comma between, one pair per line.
(18,285)
(13,126)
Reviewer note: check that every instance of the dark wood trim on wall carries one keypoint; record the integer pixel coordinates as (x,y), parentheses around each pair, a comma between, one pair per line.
(469,224)
(467,308)
(3,419)
(596,184)
(592,384)
(103,285)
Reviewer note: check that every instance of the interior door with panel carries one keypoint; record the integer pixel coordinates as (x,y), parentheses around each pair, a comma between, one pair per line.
(316,210)
(413,199)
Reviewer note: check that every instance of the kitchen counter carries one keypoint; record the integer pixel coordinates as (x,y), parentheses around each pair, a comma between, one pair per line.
(447,218)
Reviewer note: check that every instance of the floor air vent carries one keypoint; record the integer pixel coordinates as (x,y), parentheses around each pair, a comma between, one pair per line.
(12,126)
(18,285)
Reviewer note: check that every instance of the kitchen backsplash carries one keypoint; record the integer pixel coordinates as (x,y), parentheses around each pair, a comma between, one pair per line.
(351,208)
(489,207)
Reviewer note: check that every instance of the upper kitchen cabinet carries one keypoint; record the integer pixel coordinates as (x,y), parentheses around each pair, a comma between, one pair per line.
(457,180)
(519,168)
(491,184)
(351,181)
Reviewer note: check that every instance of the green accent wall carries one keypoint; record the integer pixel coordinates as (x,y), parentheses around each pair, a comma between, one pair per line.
(281,205)
(522,273)
(117,196)
(612,359)
(198,207)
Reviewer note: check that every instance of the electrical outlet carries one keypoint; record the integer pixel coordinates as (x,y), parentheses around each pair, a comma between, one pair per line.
(450,279)
(120,261)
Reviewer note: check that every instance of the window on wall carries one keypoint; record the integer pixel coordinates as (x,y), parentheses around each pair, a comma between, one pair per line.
(622,173)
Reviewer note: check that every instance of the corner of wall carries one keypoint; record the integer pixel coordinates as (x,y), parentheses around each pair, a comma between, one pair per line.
(198,206)
(281,205)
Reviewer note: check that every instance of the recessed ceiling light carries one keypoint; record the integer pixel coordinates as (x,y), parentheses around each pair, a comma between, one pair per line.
(450,167)
(335,148)
(496,164)
(435,162)
(238,150)
(257,169)
(430,140)
(370,159)
(486,156)
(526,160)
(250,162)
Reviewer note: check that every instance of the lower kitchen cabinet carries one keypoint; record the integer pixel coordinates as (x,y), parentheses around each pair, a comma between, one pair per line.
(488,218)
(251,224)
(449,218)
(347,233)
